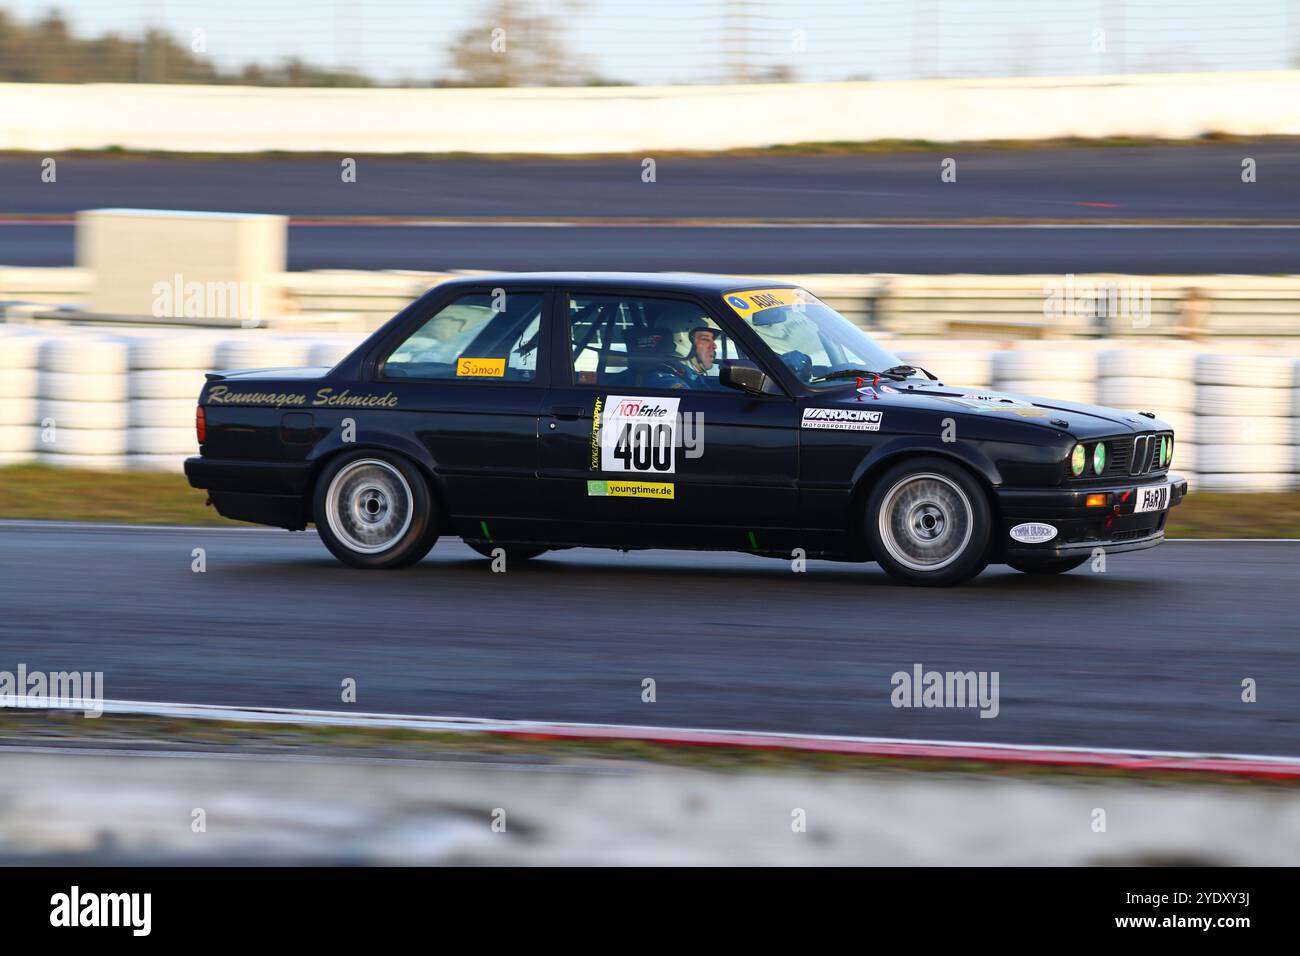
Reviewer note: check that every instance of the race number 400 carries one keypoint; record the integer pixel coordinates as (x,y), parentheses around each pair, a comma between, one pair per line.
(639,434)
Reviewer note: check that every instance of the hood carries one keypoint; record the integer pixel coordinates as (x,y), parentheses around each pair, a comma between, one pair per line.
(1082,421)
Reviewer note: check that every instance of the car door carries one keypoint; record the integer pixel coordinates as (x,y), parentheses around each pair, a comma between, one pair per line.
(631,454)
(470,375)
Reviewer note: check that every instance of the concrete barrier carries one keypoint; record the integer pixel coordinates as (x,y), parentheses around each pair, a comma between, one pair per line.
(51,117)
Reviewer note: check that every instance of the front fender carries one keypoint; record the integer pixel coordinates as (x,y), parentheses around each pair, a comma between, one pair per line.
(885,454)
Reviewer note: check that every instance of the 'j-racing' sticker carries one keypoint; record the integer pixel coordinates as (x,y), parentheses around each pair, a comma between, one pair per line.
(638,434)
(630,489)
(480,367)
(747,303)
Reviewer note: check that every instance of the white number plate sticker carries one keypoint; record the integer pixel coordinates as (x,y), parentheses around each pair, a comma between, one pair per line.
(1153,498)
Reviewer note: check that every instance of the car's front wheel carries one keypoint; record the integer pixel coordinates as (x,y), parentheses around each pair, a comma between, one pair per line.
(1048,565)
(374,510)
(928,523)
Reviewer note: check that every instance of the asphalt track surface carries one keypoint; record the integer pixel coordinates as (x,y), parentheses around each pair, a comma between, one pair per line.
(753,250)
(1198,186)
(1150,654)
(1197,183)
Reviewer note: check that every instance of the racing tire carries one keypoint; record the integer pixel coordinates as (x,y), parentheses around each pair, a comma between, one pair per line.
(928,523)
(1048,565)
(513,552)
(374,510)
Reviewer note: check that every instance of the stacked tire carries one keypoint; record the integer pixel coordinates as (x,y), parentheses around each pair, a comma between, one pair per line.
(1245,408)
(82,408)
(1060,375)
(167,374)
(19,355)
(1157,381)
(973,369)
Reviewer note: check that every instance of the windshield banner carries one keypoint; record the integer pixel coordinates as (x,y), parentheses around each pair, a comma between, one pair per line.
(747,303)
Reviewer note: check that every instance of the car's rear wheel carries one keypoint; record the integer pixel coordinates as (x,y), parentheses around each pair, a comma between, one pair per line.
(928,523)
(374,510)
(1048,565)
(514,552)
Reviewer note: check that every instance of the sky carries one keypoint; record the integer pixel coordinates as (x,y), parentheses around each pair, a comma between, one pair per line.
(703,41)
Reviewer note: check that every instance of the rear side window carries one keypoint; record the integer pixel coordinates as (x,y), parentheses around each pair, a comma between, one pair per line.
(485,336)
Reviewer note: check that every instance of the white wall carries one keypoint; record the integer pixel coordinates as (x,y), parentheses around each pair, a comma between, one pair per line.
(51,117)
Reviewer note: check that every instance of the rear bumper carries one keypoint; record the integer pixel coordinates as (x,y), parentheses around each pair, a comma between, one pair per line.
(1082,530)
(273,493)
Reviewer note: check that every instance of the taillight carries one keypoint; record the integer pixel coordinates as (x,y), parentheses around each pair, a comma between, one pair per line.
(200,425)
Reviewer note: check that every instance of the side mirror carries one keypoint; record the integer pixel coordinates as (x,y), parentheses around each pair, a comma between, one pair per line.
(743,377)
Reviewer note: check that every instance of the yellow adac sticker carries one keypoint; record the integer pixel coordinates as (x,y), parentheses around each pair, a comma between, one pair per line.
(750,301)
(480,367)
(630,489)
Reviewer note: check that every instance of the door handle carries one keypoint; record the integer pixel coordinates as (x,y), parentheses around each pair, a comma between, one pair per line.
(567,413)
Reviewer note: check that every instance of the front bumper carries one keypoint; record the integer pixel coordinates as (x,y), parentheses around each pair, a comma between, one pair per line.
(1082,529)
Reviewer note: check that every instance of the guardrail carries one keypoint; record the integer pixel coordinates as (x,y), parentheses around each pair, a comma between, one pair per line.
(86,398)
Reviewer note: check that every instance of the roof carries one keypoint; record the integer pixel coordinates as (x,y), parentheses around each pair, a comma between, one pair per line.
(662,281)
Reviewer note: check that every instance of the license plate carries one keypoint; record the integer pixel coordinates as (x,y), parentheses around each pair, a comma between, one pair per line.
(1152,498)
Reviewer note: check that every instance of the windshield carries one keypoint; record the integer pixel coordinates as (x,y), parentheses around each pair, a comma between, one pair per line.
(810,337)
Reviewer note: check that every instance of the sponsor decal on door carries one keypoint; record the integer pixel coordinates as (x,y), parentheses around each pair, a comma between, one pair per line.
(639,434)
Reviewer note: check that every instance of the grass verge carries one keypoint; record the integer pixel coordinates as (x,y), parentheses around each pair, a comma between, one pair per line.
(126,732)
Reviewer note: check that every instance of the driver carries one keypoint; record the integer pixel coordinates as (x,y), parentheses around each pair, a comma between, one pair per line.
(688,349)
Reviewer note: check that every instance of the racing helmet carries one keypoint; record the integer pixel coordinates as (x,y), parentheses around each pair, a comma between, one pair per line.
(675,328)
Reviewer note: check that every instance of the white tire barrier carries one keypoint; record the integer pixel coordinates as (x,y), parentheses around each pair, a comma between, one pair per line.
(83,441)
(329,353)
(82,415)
(1081,392)
(74,387)
(161,441)
(1241,400)
(19,411)
(1244,430)
(1253,371)
(1147,363)
(1254,459)
(18,438)
(82,355)
(1151,394)
(954,368)
(163,413)
(1044,367)
(258,352)
(172,463)
(166,383)
(17,382)
(20,351)
(183,350)
(1186,457)
(1245,481)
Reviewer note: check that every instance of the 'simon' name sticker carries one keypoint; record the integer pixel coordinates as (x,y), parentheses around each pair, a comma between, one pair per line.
(842,419)
(630,489)
(639,434)
(750,301)
(480,367)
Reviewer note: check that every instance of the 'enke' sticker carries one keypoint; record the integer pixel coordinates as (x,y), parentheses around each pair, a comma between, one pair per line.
(639,435)
(630,489)
(480,367)
(747,303)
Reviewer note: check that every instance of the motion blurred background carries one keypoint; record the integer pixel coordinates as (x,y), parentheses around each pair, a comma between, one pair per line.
(1098,201)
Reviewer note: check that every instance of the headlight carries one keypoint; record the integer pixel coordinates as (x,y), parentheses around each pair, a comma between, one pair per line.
(1167,449)
(1077,459)
(1099,458)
